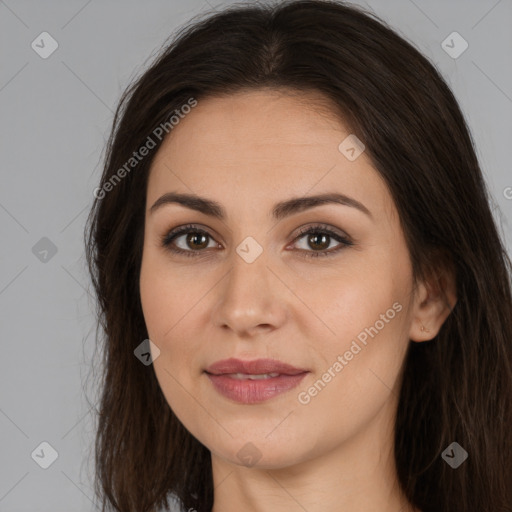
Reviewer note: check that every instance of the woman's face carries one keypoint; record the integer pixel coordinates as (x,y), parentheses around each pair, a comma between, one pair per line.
(251,286)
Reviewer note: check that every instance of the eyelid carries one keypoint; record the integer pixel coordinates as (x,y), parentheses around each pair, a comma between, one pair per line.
(184,228)
(320,227)
(170,235)
(340,236)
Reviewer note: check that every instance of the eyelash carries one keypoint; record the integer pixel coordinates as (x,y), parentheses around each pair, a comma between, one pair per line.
(168,238)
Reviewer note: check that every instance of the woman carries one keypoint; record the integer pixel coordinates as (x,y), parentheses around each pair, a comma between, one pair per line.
(242,370)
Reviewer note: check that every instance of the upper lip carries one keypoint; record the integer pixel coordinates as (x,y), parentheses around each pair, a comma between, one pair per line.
(254,367)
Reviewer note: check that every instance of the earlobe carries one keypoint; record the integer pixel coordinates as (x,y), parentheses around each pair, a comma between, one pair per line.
(434,302)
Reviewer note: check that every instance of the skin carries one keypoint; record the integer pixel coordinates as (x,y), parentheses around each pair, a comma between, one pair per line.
(249,151)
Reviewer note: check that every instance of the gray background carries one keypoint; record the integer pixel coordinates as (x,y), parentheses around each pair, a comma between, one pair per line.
(55,116)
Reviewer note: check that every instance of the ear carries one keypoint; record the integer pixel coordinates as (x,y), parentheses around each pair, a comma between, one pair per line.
(435,297)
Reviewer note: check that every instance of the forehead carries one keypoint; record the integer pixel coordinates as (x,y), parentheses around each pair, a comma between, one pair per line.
(254,121)
(259,145)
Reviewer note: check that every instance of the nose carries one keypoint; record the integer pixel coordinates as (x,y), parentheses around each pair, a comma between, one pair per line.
(250,299)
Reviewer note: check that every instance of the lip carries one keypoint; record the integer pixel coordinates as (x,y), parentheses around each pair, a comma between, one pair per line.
(253,367)
(247,391)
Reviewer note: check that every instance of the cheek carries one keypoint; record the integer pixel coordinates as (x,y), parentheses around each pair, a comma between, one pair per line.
(165,296)
(157,301)
(162,309)
(172,309)
(359,366)
(163,306)
(369,337)
(366,308)
(362,297)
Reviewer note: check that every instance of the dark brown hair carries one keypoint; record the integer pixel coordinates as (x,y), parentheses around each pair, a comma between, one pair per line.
(457,387)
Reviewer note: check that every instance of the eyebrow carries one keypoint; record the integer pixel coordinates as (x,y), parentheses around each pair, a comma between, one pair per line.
(280,210)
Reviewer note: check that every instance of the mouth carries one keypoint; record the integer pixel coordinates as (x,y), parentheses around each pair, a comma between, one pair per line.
(253,367)
(250,382)
(245,376)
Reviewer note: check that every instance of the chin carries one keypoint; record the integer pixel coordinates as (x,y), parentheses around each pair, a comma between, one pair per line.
(262,452)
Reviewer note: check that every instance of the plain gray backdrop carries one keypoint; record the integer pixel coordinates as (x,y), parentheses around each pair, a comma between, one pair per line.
(56,113)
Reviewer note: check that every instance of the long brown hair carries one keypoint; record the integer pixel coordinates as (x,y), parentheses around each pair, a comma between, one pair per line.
(457,387)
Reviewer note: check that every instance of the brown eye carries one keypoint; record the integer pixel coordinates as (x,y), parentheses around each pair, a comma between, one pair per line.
(188,240)
(192,241)
(197,240)
(319,241)
(319,238)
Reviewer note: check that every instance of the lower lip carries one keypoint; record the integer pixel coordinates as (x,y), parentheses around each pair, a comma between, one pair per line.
(248,391)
